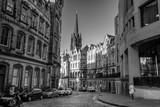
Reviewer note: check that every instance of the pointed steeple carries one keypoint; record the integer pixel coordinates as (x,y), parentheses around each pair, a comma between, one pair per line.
(76,24)
(76,40)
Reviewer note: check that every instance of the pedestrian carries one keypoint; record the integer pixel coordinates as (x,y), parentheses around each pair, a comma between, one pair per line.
(100,88)
(131,90)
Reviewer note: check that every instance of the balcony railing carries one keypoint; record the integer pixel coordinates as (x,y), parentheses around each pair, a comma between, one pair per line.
(115,75)
(147,81)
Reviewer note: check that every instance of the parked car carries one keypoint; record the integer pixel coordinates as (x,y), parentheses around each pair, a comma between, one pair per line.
(32,94)
(91,89)
(69,91)
(8,100)
(61,91)
(83,89)
(51,92)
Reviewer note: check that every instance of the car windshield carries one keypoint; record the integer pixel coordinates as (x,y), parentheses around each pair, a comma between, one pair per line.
(48,90)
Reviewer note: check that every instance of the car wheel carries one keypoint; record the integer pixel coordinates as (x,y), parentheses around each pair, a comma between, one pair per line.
(52,96)
(41,97)
(29,98)
(12,102)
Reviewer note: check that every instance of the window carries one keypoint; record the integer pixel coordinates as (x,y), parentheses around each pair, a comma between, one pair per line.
(6,34)
(47,30)
(133,22)
(41,26)
(36,77)
(31,43)
(56,47)
(34,21)
(24,15)
(149,13)
(48,79)
(16,75)
(38,49)
(10,6)
(20,41)
(43,78)
(44,51)
(57,26)
(129,4)
(26,78)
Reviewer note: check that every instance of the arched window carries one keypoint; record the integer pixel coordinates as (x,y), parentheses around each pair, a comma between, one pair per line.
(16,75)
(36,77)
(20,41)
(43,74)
(28,76)
(31,43)
(6,35)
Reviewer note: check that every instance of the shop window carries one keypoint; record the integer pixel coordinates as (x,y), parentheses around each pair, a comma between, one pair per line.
(6,35)
(31,43)
(149,13)
(20,41)
(150,58)
(10,6)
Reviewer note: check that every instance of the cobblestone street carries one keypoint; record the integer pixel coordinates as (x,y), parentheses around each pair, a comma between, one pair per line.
(77,99)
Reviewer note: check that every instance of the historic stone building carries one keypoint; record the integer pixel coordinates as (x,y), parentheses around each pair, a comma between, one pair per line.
(55,41)
(77,59)
(24,43)
(65,70)
(139,46)
(101,67)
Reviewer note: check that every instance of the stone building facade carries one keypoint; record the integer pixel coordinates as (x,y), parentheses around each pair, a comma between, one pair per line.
(101,67)
(139,46)
(65,70)
(24,43)
(55,41)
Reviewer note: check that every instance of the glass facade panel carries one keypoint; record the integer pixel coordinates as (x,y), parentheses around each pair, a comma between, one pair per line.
(150,58)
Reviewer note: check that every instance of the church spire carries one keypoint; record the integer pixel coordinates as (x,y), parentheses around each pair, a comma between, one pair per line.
(76,24)
(76,40)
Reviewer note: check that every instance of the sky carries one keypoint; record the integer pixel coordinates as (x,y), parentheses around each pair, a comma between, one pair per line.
(95,18)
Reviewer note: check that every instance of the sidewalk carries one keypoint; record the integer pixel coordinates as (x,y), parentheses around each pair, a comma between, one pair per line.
(125,101)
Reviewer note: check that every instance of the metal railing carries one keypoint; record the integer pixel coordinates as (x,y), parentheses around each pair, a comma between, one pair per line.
(147,81)
(115,75)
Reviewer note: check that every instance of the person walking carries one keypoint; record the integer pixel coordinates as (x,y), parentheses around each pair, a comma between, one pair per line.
(131,90)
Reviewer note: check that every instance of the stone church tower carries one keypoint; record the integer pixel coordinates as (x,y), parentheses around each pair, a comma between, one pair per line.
(76,40)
